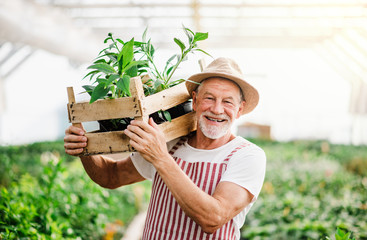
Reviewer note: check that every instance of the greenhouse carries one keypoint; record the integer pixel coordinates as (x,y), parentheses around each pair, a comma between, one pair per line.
(132,59)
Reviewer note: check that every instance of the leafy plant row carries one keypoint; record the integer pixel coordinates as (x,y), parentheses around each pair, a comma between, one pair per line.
(61,202)
(310,192)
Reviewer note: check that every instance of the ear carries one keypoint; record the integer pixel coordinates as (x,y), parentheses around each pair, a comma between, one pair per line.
(242,106)
(194,100)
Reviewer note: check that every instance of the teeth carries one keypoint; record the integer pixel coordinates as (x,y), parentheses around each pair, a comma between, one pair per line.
(215,120)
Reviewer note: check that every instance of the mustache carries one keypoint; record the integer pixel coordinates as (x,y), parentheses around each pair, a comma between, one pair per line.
(212,115)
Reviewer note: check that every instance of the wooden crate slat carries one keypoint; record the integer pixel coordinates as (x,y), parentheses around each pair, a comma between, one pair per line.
(166,99)
(107,142)
(104,109)
(178,127)
(137,106)
(117,141)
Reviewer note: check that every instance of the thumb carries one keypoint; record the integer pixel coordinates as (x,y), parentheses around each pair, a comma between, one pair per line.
(152,123)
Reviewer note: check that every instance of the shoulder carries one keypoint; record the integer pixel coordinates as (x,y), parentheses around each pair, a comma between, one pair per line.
(247,154)
(244,146)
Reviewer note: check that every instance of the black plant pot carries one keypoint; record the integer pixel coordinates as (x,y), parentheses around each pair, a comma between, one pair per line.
(114,124)
(174,112)
(158,117)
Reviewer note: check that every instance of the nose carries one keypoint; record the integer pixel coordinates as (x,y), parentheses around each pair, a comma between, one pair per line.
(217,108)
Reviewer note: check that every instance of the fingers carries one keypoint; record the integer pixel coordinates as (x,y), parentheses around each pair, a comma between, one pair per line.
(152,123)
(75,130)
(139,130)
(74,152)
(74,140)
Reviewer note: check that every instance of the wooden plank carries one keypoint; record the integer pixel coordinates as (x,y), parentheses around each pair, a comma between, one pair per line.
(107,142)
(137,90)
(178,127)
(166,99)
(115,142)
(71,98)
(104,109)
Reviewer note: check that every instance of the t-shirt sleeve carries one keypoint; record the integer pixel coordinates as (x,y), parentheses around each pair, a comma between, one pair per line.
(144,167)
(247,169)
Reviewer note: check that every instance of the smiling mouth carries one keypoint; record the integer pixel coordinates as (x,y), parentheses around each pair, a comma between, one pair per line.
(214,119)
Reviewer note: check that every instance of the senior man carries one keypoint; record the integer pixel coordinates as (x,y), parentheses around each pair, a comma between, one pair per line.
(204,184)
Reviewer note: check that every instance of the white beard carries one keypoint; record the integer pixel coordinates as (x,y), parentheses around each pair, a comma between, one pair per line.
(214,132)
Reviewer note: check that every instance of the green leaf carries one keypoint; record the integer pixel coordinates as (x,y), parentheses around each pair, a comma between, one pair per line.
(200,36)
(127,53)
(103,67)
(188,30)
(132,70)
(132,64)
(103,81)
(100,61)
(151,49)
(110,55)
(138,44)
(103,50)
(91,74)
(88,89)
(169,70)
(171,59)
(124,84)
(144,37)
(99,92)
(108,38)
(120,41)
(180,44)
(112,78)
(189,33)
(167,115)
(174,83)
(201,50)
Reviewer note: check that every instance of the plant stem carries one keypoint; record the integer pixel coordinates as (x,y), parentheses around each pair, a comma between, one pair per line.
(177,64)
(155,68)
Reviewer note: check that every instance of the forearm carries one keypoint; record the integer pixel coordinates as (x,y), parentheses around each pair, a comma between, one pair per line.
(109,173)
(98,169)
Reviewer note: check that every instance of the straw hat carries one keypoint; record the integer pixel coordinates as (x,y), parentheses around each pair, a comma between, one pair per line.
(226,68)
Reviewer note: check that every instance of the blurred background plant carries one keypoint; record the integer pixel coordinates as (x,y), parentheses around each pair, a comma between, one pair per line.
(310,190)
(45,194)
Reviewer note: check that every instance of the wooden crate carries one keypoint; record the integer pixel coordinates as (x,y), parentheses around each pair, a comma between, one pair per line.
(137,106)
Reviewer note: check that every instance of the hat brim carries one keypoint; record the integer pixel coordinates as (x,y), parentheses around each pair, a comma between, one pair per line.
(251,95)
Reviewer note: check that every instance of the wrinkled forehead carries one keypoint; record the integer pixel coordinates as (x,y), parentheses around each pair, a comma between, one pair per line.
(222,81)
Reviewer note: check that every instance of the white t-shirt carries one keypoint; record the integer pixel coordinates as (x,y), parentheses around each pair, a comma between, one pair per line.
(245,168)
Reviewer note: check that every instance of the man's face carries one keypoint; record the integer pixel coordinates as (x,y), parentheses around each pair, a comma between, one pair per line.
(217,104)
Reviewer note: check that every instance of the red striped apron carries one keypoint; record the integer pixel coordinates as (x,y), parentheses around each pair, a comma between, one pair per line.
(166,220)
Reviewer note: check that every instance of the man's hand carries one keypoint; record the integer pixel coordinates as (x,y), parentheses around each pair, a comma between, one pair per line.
(74,140)
(148,140)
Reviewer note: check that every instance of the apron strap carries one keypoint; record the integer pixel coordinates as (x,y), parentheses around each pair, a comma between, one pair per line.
(177,145)
(235,150)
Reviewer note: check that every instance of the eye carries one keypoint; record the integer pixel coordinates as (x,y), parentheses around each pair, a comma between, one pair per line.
(228,102)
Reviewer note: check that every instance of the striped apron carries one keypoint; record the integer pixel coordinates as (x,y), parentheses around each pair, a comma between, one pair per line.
(166,220)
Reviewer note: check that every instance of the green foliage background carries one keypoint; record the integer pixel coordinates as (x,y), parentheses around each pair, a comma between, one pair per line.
(310,190)
(45,194)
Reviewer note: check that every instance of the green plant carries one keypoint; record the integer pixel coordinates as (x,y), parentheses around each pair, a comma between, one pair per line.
(113,68)
(308,193)
(163,79)
(341,235)
(59,201)
(117,63)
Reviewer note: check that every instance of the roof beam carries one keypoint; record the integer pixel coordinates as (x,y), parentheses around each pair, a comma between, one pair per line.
(45,28)
(103,4)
